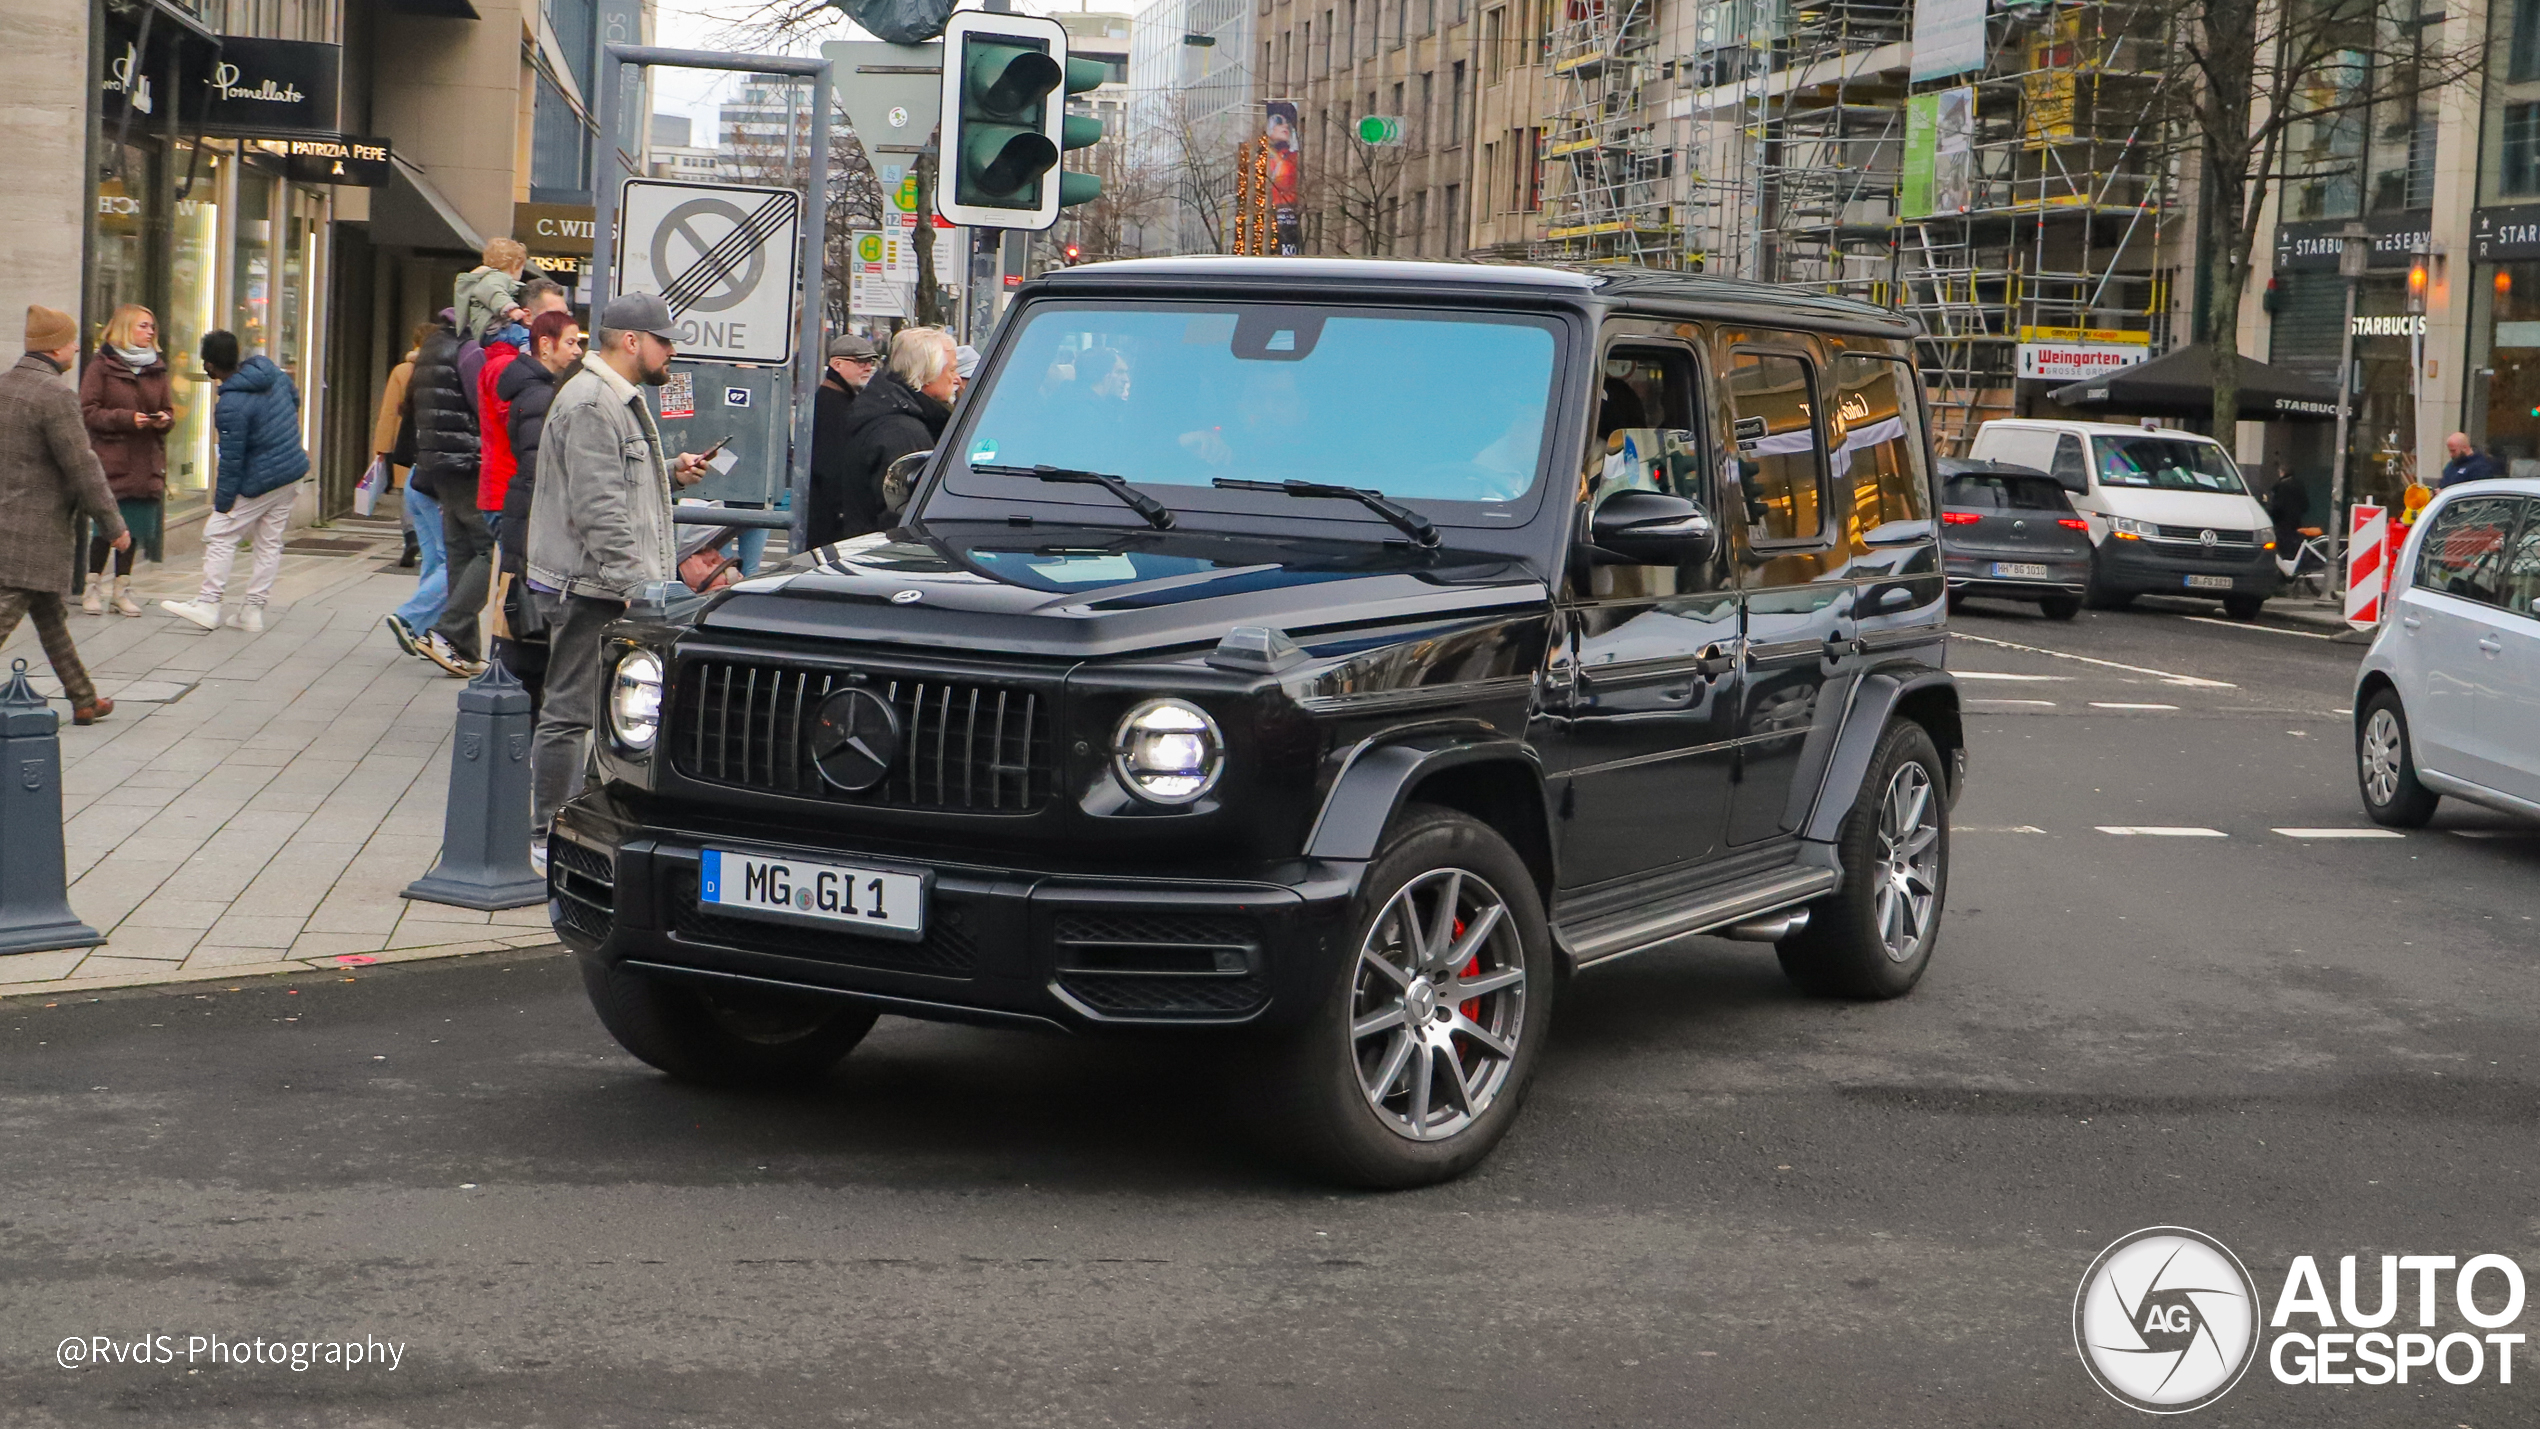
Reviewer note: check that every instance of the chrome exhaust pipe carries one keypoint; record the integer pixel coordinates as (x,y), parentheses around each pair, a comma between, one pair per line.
(1771,928)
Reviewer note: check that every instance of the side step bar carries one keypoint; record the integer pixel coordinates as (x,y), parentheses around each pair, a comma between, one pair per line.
(1630,933)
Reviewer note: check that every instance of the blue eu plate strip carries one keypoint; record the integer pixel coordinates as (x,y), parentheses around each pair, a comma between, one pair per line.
(710,876)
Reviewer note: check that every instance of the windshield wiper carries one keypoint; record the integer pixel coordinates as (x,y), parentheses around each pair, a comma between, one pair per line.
(1147,506)
(1422,531)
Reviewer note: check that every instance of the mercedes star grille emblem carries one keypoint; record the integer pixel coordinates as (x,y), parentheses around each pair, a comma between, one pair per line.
(855,739)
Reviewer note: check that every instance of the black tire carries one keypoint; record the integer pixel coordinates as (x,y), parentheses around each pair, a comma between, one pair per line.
(1844,951)
(721,1038)
(2060,607)
(2244,607)
(2099,595)
(2402,802)
(1318,1109)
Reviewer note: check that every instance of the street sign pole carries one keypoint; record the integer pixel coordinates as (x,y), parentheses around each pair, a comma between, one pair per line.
(807,355)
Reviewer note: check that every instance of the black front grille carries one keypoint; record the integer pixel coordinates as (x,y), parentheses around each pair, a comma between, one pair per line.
(2197,534)
(964,745)
(1138,963)
(949,948)
(581,889)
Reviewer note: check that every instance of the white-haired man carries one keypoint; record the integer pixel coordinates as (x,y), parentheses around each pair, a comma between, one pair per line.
(902,410)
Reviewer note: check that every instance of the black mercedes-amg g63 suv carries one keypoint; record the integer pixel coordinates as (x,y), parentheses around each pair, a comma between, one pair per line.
(1333,654)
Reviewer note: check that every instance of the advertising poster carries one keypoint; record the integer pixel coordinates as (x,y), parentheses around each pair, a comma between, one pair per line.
(1954,158)
(1287,160)
(1922,146)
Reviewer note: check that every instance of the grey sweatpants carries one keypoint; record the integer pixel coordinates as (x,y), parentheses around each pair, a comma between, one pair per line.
(572,699)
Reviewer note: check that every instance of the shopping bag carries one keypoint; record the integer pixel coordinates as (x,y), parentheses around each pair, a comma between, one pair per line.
(366,491)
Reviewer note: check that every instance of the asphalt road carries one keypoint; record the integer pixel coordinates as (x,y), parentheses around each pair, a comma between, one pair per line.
(1725,1204)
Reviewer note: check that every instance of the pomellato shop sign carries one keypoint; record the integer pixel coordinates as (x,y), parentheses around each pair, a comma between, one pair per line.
(272,85)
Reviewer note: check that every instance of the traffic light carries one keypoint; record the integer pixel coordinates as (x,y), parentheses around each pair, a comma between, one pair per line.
(1005,121)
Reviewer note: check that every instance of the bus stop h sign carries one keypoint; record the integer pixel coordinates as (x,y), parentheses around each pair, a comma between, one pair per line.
(726,257)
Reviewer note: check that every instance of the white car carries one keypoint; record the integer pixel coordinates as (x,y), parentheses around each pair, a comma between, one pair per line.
(2448,700)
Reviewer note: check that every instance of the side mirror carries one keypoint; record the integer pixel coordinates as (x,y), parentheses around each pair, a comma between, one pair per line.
(899,479)
(1651,528)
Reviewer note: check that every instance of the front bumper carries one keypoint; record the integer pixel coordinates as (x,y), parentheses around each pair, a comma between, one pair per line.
(2163,568)
(1002,944)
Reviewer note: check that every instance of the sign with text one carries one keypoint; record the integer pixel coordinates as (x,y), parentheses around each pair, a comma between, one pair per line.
(726,257)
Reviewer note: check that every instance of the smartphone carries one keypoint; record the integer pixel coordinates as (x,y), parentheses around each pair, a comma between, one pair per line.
(720,443)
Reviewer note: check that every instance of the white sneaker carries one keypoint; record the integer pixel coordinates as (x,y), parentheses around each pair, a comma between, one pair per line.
(206,616)
(440,652)
(538,856)
(250,618)
(94,601)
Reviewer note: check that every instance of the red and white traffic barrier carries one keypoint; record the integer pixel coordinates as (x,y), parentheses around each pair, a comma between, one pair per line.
(2367,564)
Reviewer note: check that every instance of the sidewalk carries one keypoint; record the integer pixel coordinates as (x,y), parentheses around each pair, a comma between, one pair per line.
(255,803)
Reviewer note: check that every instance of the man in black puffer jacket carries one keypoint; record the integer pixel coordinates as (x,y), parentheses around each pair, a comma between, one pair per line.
(527,388)
(446,449)
(902,410)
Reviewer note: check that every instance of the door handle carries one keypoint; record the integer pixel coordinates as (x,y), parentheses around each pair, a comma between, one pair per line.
(2491,644)
(2411,621)
(1716,661)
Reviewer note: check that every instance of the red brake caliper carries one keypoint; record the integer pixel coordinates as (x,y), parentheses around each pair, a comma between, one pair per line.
(1471,1007)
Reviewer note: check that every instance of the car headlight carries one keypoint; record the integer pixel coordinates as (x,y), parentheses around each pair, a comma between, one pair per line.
(2129,527)
(635,700)
(1168,752)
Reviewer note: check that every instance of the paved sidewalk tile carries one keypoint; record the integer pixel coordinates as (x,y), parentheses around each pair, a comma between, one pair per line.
(262,809)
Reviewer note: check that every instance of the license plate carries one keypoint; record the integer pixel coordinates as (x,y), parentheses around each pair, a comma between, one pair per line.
(2020,570)
(873,901)
(2209,582)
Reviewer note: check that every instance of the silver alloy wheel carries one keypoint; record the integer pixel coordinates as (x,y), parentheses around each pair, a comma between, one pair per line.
(2381,752)
(1437,1004)
(1908,861)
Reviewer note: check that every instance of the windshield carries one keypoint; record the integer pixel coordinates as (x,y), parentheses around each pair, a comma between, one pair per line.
(1425,407)
(2167,464)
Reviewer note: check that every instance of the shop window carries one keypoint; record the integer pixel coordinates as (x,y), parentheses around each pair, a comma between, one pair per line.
(2523,51)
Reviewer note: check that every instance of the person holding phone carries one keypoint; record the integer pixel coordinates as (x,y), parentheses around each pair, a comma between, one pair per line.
(124,400)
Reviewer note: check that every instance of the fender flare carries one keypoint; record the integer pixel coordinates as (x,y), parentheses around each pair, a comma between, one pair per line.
(1875,699)
(1378,778)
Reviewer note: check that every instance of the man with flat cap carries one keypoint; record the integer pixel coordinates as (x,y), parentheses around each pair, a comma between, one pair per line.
(599,523)
(837,511)
(49,474)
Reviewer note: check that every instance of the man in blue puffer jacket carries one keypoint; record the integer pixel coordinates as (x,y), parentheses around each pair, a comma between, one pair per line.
(261,462)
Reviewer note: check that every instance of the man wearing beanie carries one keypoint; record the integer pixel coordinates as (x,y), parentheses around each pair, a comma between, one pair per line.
(49,475)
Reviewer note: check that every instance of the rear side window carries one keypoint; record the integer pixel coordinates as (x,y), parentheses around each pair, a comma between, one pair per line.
(2522,565)
(1878,452)
(1773,398)
(2464,550)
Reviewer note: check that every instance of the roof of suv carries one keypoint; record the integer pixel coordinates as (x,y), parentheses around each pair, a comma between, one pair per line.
(1731,298)
(2095,429)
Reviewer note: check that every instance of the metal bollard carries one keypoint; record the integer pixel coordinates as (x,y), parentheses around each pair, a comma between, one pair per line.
(35,907)
(485,833)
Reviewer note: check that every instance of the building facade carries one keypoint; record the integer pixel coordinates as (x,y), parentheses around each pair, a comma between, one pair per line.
(1399,188)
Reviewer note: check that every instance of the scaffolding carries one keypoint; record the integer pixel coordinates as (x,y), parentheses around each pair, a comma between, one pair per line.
(1612,205)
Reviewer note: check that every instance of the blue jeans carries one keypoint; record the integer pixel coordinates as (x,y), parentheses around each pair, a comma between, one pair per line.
(432,588)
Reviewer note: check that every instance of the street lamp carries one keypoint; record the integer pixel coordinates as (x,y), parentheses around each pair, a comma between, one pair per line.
(2354,256)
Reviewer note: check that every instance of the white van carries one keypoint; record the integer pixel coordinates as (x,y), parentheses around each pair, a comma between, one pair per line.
(2168,510)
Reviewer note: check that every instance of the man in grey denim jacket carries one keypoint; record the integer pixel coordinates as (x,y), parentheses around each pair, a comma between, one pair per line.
(599,523)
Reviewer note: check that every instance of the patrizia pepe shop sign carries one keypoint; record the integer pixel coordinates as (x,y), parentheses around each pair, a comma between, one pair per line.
(272,84)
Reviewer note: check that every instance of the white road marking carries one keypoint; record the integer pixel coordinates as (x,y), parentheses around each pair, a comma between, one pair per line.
(2340,833)
(2496,833)
(2159,832)
(2271,629)
(1995,829)
(2198,681)
(2005,675)
(2120,705)
(1982,705)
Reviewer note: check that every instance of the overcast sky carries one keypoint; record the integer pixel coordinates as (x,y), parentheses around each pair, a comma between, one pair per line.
(708,24)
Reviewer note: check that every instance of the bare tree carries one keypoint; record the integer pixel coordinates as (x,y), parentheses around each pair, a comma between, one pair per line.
(854,198)
(1361,188)
(2245,73)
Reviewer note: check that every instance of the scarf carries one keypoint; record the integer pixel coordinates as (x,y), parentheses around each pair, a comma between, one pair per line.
(137,358)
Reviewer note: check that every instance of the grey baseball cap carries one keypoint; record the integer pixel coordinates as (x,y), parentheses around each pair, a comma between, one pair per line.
(850,345)
(965,361)
(639,312)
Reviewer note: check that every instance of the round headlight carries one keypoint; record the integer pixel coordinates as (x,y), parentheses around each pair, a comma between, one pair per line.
(1168,752)
(635,699)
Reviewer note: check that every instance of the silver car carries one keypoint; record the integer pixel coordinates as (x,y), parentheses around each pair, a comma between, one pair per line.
(2448,699)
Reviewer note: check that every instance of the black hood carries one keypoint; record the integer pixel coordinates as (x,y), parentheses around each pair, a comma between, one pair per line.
(1101,591)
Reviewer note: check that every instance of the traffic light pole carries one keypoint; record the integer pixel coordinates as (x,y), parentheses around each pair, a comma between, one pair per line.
(614,167)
